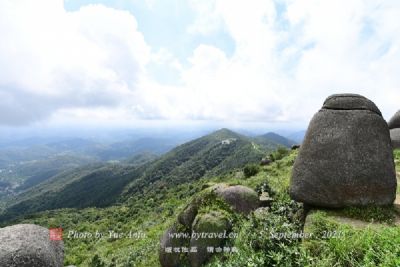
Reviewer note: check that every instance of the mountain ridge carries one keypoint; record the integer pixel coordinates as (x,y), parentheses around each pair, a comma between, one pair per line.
(213,154)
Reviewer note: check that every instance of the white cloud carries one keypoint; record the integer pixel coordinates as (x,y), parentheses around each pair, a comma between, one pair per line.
(207,20)
(289,62)
(94,63)
(52,59)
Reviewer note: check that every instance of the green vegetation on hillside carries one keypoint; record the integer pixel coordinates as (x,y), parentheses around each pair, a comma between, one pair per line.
(108,184)
(149,209)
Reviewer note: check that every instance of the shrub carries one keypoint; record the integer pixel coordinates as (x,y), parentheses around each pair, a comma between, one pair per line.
(96,262)
(279,154)
(251,170)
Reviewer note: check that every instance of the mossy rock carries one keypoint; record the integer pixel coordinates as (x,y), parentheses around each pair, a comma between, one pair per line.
(172,258)
(187,216)
(211,229)
(209,213)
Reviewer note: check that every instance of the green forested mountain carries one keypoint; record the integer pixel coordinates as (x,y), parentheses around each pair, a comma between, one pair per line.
(30,162)
(216,153)
(268,138)
(150,203)
(101,185)
(88,186)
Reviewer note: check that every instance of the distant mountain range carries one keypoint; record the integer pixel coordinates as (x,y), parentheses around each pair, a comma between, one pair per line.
(269,138)
(297,136)
(100,184)
(27,163)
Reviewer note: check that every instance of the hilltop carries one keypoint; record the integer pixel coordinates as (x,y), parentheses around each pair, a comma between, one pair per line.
(105,184)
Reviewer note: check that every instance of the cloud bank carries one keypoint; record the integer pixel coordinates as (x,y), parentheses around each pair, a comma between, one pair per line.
(94,64)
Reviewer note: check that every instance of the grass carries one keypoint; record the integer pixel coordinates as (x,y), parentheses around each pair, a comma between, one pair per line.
(371,213)
(156,211)
(370,246)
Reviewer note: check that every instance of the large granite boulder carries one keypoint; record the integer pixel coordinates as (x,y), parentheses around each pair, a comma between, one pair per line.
(346,158)
(394,126)
(28,245)
(209,232)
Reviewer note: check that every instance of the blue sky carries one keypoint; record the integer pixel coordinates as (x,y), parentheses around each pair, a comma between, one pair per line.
(266,63)
(164,25)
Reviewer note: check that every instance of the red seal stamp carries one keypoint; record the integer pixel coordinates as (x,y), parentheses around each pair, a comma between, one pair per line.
(56,234)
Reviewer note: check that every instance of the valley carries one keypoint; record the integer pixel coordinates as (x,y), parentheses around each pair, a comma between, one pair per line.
(114,214)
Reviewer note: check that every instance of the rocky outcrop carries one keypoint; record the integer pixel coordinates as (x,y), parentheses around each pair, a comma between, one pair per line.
(202,228)
(28,245)
(346,157)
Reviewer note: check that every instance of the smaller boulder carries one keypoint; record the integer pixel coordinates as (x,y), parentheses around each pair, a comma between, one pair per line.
(241,198)
(209,230)
(394,122)
(28,245)
(394,126)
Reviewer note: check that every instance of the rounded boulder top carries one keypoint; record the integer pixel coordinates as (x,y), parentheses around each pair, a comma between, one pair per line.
(394,122)
(28,245)
(350,102)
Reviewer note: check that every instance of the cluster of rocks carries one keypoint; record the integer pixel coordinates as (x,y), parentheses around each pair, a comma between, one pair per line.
(28,245)
(191,220)
(394,126)
(346,158)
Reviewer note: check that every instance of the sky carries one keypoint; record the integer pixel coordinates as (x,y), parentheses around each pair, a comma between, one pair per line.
(268,64)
